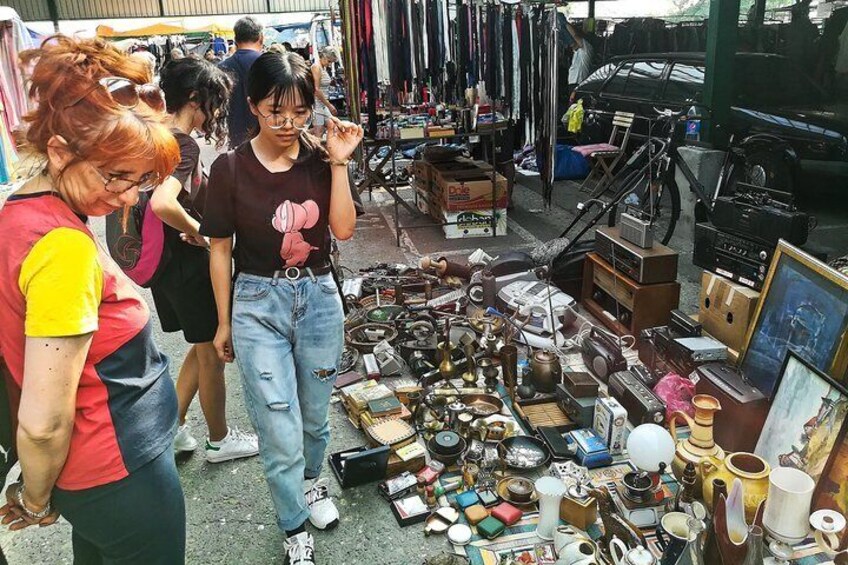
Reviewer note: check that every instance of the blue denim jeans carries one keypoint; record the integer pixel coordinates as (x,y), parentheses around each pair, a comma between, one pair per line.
(288,338)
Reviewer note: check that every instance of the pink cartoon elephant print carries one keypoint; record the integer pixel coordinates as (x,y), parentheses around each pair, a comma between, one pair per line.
(289,219)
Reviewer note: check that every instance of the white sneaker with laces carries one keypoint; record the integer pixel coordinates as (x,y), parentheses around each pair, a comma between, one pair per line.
(322,512)
(184,442)
(300,549)
(235,445)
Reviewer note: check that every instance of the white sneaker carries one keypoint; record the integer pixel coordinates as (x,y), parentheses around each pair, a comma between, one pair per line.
(184,442)
(300,549)
(322,512)
(236,445)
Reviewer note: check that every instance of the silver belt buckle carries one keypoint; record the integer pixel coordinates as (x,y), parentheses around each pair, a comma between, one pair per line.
(292,273)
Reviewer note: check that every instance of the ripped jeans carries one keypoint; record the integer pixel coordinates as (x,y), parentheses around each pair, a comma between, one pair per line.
(288,338)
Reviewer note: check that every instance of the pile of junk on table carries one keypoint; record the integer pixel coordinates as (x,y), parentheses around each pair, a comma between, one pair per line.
(590,421)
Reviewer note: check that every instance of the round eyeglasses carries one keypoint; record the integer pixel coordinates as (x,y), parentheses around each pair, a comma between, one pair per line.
(276,121)
(118,184)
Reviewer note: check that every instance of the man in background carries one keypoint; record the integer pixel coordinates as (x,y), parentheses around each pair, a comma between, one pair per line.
(248,32)
(581,61)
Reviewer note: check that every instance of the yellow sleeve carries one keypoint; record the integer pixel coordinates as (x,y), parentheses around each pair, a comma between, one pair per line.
(62,282)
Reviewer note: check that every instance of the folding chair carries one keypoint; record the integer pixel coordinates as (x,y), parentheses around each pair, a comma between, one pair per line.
(606,156)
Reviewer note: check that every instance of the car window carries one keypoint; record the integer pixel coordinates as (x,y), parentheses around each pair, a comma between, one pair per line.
(644,79)
(616,83)
(685,82)
(596,79)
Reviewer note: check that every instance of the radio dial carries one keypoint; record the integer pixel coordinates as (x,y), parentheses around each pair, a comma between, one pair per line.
(763,255)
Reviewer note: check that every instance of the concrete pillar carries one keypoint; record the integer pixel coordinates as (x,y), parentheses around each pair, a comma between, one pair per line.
(706,165)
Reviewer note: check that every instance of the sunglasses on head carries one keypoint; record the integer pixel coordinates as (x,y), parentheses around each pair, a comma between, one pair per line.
(125,93)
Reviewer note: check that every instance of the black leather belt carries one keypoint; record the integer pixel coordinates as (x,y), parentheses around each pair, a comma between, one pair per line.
(294,273)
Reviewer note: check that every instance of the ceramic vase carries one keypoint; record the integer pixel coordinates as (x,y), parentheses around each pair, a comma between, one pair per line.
(787,512)
(700,443)
(751,469)
(550,490)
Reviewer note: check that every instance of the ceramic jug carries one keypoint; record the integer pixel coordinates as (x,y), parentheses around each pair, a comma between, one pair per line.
(636,556)
(700,443)
(751,469)
(546,371)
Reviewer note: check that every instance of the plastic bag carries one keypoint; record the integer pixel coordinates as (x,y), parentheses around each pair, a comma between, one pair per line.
(677,393)
(573,118)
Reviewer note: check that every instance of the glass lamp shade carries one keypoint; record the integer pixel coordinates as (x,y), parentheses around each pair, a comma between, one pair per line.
(649,445)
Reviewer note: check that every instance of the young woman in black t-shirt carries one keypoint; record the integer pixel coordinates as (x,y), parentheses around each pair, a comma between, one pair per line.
(280,195)
(196,96)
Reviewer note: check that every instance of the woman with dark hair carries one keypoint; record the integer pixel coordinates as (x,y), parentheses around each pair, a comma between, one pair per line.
(280,195)
(96,408)
(196,96)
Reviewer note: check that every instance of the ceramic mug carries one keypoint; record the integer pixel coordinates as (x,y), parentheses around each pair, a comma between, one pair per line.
(787,511)
(672,535)
(577,552)
(566,535)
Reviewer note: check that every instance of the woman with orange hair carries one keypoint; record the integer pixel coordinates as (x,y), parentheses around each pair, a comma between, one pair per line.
(96,408)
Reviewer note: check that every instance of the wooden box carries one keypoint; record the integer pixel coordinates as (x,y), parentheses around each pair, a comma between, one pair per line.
(726,309)
(396,465)
(621,304)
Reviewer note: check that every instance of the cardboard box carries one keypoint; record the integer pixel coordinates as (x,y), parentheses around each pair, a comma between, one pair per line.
(470,190)
(726,309)
(473,223)
(422,172)
(459,165)
(422,199)
(412,133)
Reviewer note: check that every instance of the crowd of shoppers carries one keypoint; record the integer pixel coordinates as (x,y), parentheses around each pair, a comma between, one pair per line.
(95,412)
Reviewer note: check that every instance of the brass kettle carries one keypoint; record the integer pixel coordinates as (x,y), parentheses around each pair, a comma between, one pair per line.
(546,371)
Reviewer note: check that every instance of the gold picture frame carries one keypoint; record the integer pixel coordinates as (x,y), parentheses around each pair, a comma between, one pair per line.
(803,305)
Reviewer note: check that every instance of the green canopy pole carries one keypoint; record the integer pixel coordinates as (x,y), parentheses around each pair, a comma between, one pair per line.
(718,80)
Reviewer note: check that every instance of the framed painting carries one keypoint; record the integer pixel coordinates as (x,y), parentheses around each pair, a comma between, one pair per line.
(832,488)
(805,419)
(803,306)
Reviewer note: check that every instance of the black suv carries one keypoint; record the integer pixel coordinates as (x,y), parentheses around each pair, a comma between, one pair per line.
(791,134)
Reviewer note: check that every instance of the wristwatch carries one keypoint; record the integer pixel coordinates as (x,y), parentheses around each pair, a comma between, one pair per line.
(34,515)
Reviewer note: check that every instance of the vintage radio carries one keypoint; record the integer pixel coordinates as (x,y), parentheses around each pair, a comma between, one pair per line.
(622,305)
(645,266)
(744,408)
(726,309)
(701,349)
(580,410)
(660,351)
(761,218)
(580,385)
(738,258)
(611,423)
(642,405)
(648,377)
(636,230)
(602,354)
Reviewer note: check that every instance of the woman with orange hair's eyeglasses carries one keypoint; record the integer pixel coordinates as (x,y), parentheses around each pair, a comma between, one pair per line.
(96,408)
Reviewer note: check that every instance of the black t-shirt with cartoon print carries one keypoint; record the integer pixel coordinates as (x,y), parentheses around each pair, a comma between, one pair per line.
(279,219)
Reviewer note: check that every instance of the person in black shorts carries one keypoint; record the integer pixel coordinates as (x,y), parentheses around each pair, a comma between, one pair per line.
(196,96)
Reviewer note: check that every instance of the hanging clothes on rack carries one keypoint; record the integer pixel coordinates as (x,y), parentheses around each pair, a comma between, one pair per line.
(14,103)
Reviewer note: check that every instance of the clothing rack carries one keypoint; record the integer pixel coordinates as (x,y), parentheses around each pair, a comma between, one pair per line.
(14,38)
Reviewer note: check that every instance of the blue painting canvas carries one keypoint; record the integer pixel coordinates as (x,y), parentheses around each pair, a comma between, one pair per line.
(802,310)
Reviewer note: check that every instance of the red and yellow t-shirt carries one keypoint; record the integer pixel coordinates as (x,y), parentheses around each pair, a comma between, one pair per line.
(56,281)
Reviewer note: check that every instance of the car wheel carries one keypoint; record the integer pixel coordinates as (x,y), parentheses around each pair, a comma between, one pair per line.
(768,169)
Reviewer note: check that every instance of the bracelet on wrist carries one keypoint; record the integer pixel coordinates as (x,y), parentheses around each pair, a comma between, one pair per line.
(34,515)
(341,163)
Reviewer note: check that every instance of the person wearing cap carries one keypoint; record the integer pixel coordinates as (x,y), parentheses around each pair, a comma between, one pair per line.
(326,57)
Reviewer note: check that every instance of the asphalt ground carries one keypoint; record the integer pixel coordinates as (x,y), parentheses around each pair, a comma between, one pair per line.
(229,514)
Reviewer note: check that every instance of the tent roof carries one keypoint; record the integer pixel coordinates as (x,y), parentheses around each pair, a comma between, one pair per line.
(155,29)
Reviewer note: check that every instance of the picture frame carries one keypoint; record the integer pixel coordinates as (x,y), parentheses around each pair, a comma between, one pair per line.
(831,490)
(806,418)
(803,305)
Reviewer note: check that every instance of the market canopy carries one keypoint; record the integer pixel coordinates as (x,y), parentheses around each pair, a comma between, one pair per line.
(163,29)
(155,29)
